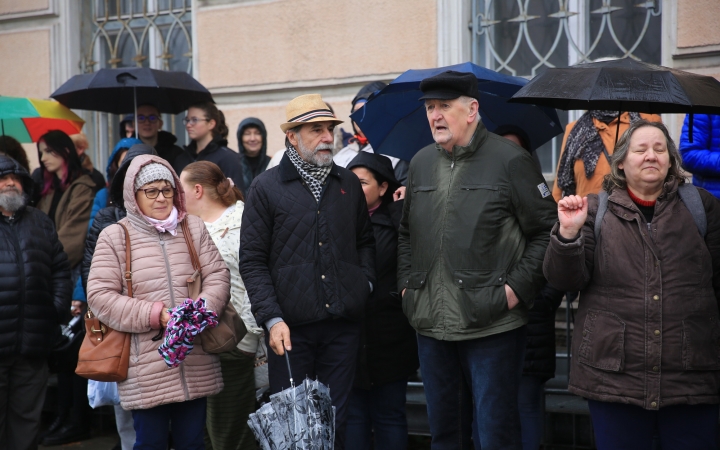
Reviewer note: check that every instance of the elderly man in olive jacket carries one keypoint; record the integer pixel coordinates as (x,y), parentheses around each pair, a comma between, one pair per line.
(475,227)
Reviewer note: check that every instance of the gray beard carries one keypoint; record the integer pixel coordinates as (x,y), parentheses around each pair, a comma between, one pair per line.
(12,200)
(310,156)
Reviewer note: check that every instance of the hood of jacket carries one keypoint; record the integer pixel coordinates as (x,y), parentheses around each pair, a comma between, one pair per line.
(165,139)
(116,185)
(254,122)
(138,163)
(10,166)
(123,143)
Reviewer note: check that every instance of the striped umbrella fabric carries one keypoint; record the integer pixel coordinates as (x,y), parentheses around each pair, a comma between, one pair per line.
(26,119)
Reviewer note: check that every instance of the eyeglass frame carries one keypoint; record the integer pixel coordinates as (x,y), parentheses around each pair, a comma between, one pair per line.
(193,120)
(141,118)
(171,189)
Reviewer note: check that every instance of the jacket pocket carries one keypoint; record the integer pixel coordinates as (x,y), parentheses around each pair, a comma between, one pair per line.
(482,296)
(296,290)
(354,290)
(424,189)
(701,343)
(416,302)
(603,341)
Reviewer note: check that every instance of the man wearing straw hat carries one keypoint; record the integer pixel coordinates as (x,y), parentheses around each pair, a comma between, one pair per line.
(306,256)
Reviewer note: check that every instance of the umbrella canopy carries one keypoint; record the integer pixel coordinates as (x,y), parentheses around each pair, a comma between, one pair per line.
(26,119)
(119,91)
(395,122)
(623,85)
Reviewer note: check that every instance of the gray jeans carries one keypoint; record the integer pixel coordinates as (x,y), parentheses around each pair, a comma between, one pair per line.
(124,422)
(22,393)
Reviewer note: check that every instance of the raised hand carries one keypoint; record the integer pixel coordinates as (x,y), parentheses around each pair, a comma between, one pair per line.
(572,212)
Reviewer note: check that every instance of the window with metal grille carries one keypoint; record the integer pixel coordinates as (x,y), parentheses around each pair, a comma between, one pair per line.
(525,37)
(134,33)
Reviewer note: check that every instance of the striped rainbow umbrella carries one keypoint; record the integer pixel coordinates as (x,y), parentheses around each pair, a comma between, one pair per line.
(26,119)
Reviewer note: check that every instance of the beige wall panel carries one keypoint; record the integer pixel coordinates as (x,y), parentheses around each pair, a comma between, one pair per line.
(697,23)
(272,116)
(22,6)
(29,73)
(291,40)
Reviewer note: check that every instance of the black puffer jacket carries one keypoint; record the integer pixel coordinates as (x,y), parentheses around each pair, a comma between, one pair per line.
(388,349)
(111,214)
(259,162)
(540,340)
(35,286)
(227,160)
(167,150)
(303,261)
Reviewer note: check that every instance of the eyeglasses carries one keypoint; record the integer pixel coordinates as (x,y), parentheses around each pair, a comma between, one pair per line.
(153,193)
(193,120)
(152,118)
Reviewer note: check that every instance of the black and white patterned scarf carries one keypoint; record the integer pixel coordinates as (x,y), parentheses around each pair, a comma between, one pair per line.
(313,175)
(584,142)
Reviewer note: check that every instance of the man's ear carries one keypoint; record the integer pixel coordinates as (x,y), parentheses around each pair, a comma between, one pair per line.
(474,107)
(292,137)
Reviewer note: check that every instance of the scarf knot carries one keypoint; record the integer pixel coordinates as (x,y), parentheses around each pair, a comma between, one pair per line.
(313,175)
(168,225)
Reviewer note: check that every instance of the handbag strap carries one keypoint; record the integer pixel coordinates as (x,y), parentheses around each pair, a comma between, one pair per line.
(191,247)
(128,262)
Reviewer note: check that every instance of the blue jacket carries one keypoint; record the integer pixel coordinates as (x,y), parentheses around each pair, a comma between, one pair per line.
(701,157)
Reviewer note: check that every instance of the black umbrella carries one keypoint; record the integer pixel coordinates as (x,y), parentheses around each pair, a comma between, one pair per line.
(623,85)
(118,91)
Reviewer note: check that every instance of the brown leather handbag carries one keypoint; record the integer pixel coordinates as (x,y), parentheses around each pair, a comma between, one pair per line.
(105,353)
(230,329)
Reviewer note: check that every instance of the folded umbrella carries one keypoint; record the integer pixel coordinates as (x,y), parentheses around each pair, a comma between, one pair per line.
(395,122)
(26,119)
(186,321)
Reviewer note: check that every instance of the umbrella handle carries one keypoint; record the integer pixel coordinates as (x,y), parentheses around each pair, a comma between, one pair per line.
(287,359)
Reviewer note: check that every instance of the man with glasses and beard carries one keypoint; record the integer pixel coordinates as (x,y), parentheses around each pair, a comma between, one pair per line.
(150,131)
(307,253)
(35,294)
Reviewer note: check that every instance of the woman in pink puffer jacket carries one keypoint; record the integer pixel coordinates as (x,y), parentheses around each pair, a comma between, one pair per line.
(159,397)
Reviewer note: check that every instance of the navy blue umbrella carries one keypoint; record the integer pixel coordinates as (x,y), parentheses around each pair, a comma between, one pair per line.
(395,123)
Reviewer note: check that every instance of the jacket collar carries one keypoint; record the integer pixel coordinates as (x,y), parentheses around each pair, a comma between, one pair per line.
(621,197)
(459,152)
(382,217)
(288,172)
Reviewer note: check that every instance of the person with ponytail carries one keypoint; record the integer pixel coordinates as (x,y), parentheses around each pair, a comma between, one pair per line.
(219,203)
(206,127)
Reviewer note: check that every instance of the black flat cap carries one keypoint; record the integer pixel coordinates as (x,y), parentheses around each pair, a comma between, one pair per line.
(449,85)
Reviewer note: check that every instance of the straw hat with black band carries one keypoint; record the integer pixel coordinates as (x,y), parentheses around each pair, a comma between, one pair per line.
(307,109)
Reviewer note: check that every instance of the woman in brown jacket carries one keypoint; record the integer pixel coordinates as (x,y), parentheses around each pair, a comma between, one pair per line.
(157,395)
(646,345)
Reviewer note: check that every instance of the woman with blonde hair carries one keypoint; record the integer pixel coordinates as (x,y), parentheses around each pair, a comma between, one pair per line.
(219,203)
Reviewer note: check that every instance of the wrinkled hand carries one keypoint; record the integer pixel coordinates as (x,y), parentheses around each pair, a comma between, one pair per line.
(511,297)
(572,213)
(77,308)
(164,318)
(399,194)
(280,333)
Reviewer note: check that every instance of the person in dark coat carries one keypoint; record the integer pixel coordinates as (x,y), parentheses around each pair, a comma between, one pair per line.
(34,300)
(388,347)
(206,127)
(252,146)
(307,256)
(701,157)
(150,131)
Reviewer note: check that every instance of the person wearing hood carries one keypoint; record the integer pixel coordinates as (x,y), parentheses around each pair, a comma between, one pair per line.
(387,354)
(35,300)
(214,198)
(360,143)
(206,127)
(150,131)
(113,210)
(160,397)
(252,146)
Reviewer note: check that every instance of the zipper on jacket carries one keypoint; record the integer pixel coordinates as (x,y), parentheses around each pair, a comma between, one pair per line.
(21,267)
(172,300)
(442,232)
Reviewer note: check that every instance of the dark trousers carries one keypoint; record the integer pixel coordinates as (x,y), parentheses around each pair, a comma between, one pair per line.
(185,420)
(619,426)
(22,393)
(379,411)
(472,389)
(531,403)
(228,411)
(324,350)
